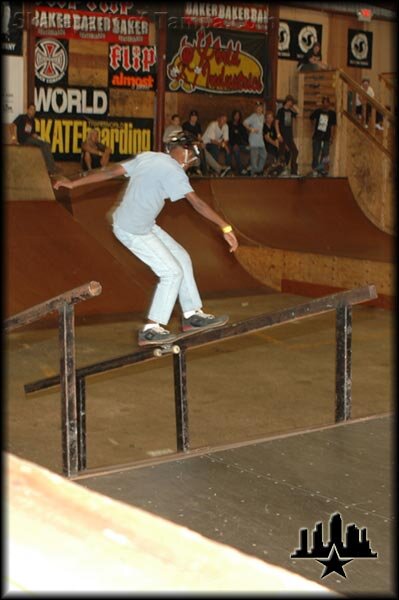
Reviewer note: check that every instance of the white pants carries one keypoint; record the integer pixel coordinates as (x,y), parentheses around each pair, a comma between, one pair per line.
(172,263)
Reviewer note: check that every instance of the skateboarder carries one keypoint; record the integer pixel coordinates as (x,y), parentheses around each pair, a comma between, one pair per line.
(154,177)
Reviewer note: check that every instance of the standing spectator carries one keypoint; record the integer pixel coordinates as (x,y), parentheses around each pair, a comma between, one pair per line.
(238,138)
(312,61)
(216,138)
(254,124)
(23,131)
(285,132)
(173,128)
(274,163)
(94,154)
(363,108)
(325,121)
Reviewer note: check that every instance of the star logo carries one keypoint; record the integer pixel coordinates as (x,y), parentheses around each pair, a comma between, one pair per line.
(333,563)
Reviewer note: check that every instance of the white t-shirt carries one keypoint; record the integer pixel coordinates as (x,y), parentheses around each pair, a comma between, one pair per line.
(154,177)
(369,91)
(214,132)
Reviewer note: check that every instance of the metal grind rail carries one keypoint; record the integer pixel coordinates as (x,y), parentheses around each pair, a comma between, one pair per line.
(341,302)
(64,304)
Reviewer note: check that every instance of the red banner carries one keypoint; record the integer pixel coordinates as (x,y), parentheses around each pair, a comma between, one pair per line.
(84,25)
(243,17)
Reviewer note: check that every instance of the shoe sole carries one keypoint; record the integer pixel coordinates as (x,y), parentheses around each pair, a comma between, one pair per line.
(156,342)
(186,328)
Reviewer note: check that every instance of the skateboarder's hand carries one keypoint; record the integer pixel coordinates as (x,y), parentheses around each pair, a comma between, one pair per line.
(231,240)
(64,182)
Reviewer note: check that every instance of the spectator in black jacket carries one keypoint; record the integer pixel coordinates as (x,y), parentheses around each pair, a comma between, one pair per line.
(238,140)
(285,132)
(325,121)
(312,60)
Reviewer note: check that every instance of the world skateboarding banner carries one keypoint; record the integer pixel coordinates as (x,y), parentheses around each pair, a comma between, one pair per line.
(126,137)
(88,25)
(132,66)
(216,61)
(296,38)
(360,48)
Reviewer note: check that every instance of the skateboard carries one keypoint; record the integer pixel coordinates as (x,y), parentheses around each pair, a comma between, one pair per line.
(172,347)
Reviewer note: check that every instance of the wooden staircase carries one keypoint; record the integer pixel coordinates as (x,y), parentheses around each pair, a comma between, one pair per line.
(366,155)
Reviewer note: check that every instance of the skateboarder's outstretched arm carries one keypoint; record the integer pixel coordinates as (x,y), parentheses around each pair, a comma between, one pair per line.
(94,177)
(206,211)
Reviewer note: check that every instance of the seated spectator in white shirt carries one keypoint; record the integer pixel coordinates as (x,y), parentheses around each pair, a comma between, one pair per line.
(216,138)
(173,128)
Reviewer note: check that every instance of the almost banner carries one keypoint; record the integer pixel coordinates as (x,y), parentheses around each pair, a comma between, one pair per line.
(214,61)
(360,48)
(296,38)
(132,66)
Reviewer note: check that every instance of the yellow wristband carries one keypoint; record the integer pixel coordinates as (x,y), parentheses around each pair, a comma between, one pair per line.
(227,229)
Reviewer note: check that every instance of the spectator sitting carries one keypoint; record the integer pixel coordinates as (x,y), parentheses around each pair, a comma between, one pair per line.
(238,139)
(173,128)
(193,127)
(216,138)
(274,163)
(254,124)
(312,61)
(325,121)
(285,132)
(23,131)
(94,154)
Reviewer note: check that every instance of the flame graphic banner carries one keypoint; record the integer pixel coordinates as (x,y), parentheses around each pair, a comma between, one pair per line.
(215,61)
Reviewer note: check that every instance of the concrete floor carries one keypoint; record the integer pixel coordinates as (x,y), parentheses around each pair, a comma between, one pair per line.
(274,381)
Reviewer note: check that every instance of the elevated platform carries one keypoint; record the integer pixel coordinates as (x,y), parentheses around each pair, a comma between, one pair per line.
(257,496)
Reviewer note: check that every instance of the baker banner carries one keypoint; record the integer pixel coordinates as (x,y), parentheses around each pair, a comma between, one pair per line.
(132,66)
(218,62)
(87,25)
(126,137)
(239,16)
(295,38)
(360,48)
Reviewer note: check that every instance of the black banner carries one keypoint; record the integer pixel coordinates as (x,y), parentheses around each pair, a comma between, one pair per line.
(296,38)
(12,22)
(217,61)
(360,48)
(132,66)
(70,101)
(125,136)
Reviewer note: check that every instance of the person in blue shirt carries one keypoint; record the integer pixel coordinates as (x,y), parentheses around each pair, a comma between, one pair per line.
(254,125)
(155,177)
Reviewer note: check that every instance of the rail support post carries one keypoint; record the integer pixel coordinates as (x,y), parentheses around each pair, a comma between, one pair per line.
(81,410)
(181,406)
(69,426)
(343,381)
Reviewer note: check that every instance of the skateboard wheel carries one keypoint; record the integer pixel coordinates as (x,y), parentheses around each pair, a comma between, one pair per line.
(176,349)
(157,352)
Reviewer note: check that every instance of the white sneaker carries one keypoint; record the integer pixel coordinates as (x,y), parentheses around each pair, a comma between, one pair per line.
(379,127)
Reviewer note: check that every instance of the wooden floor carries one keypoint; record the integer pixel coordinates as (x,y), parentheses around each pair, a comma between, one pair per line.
(256,497)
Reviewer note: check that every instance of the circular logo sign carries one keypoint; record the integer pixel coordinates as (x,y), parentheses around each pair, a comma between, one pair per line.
(360,46)
(283,36)
(307,36)
(51,60)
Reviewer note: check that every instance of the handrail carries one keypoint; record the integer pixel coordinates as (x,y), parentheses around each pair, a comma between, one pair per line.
(359,90)
(83,292)
(388,82)
(340,302)
(67,378)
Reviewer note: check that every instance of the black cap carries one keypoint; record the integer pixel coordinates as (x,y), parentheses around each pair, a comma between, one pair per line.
(193,113)
(185,140)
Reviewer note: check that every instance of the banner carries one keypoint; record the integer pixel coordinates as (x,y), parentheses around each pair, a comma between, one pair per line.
(51,61)
(86,25)
(72,100)
(12,92)
(360,48)
(214,61)
(132,67)
(11,28)
(296,38)
(243,17)
(126,137)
